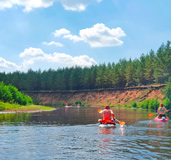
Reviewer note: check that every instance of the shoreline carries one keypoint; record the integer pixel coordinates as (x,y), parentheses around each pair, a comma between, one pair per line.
(20,111)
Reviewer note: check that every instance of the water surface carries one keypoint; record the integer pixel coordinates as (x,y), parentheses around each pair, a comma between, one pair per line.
(73,133)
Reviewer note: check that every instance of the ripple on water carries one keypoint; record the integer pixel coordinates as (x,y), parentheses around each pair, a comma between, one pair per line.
(141,140)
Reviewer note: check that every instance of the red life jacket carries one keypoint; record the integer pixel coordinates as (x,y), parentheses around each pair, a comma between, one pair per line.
(104,121)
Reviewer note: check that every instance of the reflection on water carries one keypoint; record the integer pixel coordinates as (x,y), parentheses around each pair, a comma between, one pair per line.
(106,131)
(71,116)
(14,119)
(73,133)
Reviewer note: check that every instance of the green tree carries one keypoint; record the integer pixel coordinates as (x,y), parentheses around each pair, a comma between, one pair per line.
(75,79)
(115,77)
(149,67)
(122,70)
(160,70)
(168,57)
(140,70)
(167,101)
(100,76)
(129,74)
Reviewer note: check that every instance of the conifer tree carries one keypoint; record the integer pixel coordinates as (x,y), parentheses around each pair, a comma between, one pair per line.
(168,94)
(149,67)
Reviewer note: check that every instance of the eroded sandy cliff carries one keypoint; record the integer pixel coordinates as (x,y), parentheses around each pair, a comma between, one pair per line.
(100,96)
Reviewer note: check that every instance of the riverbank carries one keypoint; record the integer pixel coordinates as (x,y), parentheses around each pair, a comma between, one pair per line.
(98,97)
(24,109)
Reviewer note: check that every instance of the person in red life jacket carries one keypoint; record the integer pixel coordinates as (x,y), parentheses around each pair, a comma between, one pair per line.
(107,114)
(161,111)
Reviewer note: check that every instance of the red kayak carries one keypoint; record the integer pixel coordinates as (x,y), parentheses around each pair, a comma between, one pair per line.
(161,119)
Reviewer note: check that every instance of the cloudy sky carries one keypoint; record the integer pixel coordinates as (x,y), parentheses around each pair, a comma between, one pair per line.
(43,34)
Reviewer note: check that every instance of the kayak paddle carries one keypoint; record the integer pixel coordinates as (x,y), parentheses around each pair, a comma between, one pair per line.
(120,122)
(99,110)
(152,114)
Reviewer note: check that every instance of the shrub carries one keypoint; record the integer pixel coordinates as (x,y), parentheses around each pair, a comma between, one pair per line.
(153,103)
(134,105)
(144,104)
(81,103)
(12,95)
(167,103)
(2,106)
(150,104)
(77,102)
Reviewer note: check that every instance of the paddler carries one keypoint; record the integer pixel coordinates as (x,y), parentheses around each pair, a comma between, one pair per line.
(161,111)
(107,115)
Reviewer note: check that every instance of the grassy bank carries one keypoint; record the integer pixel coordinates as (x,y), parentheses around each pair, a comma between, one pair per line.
(12,100)
(16,107)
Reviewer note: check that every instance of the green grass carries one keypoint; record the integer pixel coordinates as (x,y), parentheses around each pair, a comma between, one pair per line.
(8,106)
(38,107)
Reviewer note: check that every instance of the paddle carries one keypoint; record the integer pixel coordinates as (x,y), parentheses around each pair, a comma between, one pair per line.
(120,122)
(152,114)
(99,110)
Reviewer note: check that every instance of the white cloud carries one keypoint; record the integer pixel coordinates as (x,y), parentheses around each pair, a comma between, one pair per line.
(61,32)
(8,65)
(73,37)
(35,55)
(101,36)
(26,63)
(98,36)
(32,52)
(5,4)
(69,60)
(29,5)
(36,58)
(53,43)
(84,60)
(75,5)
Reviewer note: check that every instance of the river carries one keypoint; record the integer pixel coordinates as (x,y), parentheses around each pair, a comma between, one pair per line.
(73,133)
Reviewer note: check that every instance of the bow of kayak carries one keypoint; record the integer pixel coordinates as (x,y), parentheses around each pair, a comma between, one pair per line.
(161,120)
(108,125)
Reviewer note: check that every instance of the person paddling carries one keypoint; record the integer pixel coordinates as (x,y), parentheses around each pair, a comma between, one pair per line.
(107,114)
(161,111)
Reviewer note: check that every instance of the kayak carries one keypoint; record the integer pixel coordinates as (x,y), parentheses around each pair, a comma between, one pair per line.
(67,106)
(107,125)
(161,119)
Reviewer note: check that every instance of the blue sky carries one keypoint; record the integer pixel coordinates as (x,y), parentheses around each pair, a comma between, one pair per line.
(45,34)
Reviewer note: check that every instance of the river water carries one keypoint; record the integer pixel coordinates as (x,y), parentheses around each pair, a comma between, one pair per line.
(73,133)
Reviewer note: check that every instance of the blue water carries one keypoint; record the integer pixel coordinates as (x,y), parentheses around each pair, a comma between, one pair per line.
(74,134)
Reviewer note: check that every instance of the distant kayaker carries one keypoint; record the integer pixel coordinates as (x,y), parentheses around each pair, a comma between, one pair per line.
(68,105)
(161,111)
(78,105)
(107,114)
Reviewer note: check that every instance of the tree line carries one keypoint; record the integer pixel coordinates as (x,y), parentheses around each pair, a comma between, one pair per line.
(151,68)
